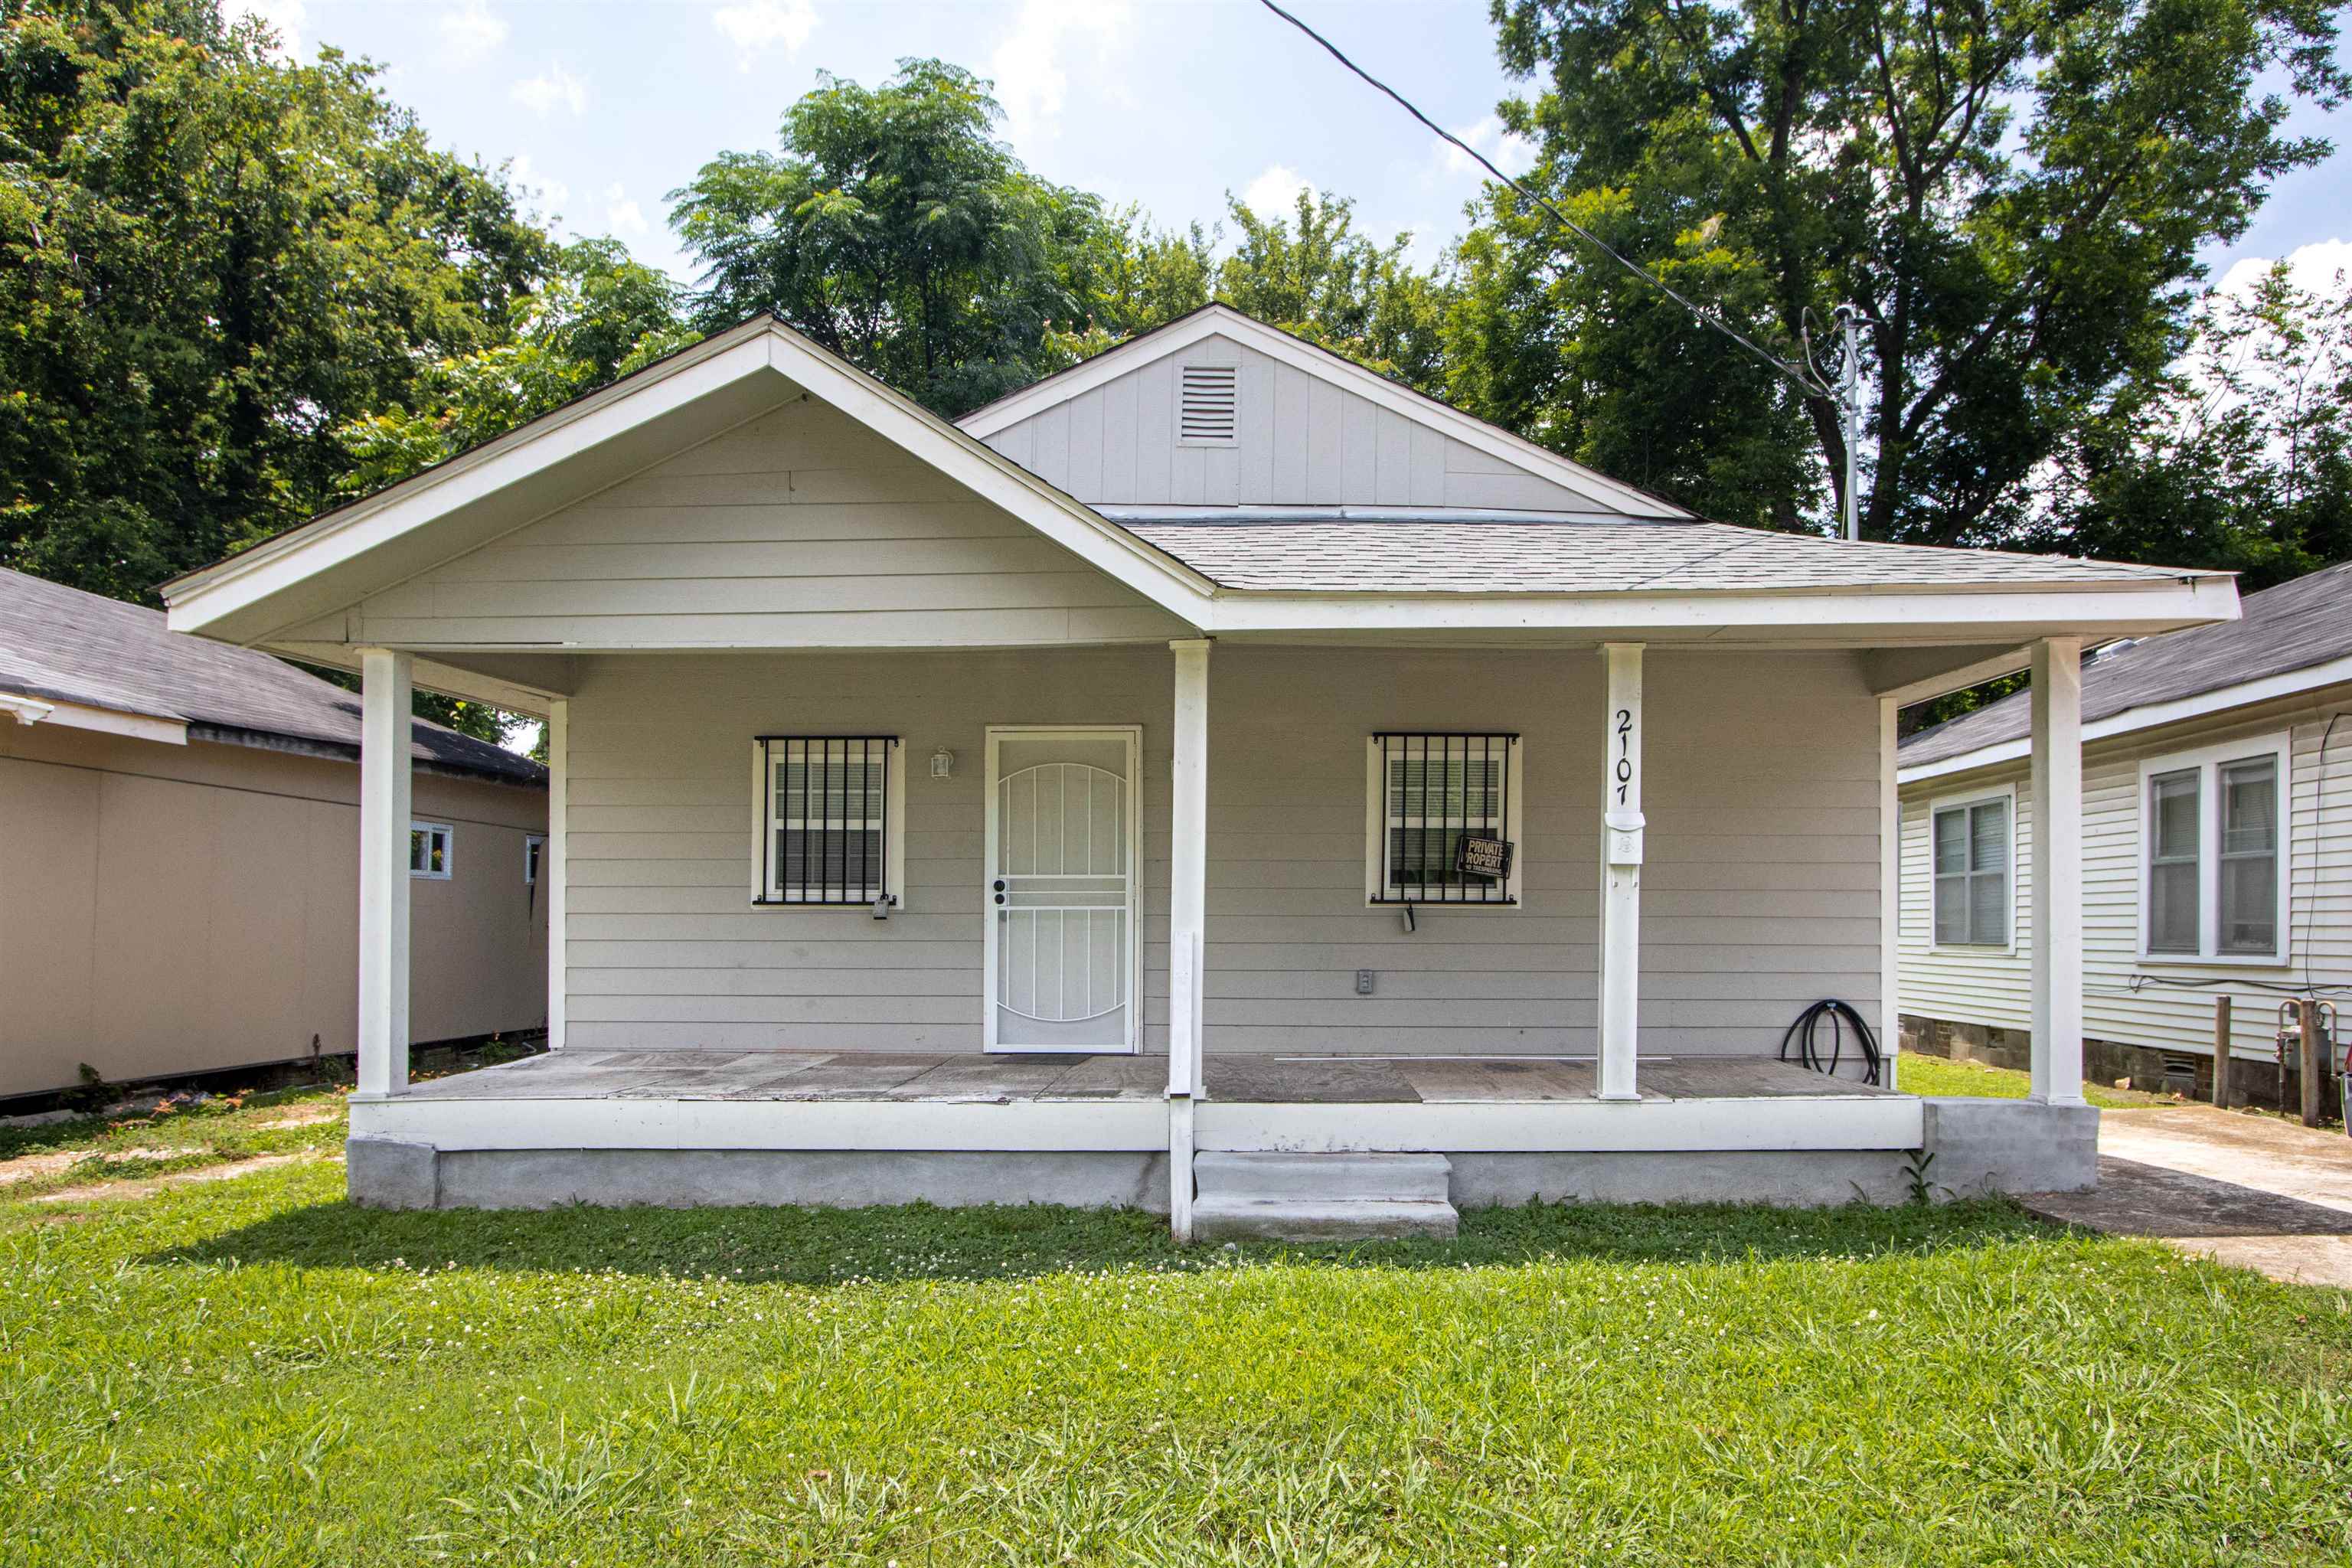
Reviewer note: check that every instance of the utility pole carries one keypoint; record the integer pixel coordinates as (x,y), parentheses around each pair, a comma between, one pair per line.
(1849,320)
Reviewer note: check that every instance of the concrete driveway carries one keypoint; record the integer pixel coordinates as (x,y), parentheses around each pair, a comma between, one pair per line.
(2260,1192)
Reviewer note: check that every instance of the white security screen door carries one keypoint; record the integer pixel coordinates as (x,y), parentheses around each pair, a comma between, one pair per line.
(1061,894)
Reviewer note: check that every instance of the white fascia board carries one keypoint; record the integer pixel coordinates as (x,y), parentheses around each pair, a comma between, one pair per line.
(522,1122)
(1971,614)
(1104,545)
(203,598)
(1219,319)
(2154,715)
(103,721)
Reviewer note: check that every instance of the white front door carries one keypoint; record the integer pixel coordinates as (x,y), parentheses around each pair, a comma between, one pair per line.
(1060,895)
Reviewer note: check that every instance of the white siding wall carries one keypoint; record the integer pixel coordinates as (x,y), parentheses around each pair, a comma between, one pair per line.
(798,529)
(1981,987)
(1760,891)
(1302,440)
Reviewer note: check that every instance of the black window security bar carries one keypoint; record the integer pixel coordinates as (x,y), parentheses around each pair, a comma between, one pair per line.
(1437,790)
(827,815)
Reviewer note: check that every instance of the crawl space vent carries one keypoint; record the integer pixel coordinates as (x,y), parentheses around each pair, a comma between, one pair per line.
(1210,396)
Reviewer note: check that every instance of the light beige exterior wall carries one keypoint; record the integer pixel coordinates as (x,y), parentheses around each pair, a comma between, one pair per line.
(180,909)
(1759,895)
(2173,1008)
(1301,440)
(801,529)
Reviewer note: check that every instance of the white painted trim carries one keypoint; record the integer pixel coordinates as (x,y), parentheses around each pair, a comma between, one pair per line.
(1188,871)
(990,924)
(1138,1126)
(1376,825)
(1829,1121)
(25,710)
(2245,694)
(1890,890)
(2208,761)
(448,833)
(104,720)
(1623,831)
(555,870)
(2056,781)
(534,857)
(1223,320)
(1959,800)
(385,775)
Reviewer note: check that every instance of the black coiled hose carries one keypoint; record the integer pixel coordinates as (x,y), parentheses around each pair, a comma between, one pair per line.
(1804,1035)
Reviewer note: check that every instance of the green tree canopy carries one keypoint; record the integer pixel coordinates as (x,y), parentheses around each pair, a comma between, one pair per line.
(2015,192)
(212,260)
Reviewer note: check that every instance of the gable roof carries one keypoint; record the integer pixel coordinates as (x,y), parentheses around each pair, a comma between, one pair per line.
(2294,637)
(61,645)
(1218,319)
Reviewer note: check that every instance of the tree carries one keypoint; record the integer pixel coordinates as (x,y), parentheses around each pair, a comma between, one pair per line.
(2014,191)
(895,230)
(2238,455)
(1312,274)
(213,260)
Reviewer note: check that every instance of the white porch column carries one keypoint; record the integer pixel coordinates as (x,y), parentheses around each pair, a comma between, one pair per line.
(1188,904)
(384,739)
(2057,871)
(555,863)
(1890,889)
(1621,872)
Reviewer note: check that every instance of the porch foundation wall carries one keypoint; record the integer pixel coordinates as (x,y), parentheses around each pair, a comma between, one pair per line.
(719,1178)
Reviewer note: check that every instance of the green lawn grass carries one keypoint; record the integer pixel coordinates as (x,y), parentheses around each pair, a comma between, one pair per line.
(1919,1074)
(252,1372)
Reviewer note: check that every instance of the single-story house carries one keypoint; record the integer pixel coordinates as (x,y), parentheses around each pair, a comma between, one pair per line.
(1216,777)
(2217,831)
(183,876)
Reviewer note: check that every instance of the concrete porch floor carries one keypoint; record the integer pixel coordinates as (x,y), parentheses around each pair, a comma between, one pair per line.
(966,1077)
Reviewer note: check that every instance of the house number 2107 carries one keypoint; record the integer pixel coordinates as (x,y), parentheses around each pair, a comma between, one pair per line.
(1625,769)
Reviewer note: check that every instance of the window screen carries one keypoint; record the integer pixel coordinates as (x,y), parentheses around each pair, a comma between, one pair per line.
(2250,856)
(827,839)
(2175,816)
(1435,791)
(1971,848)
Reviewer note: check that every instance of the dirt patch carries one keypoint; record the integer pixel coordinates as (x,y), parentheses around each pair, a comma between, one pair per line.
(149,1187)
(32,1167)
(299,1116)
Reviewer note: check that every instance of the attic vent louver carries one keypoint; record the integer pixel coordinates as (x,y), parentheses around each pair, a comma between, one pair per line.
(1208,405)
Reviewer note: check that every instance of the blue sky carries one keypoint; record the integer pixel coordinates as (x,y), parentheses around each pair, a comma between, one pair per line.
(605,108)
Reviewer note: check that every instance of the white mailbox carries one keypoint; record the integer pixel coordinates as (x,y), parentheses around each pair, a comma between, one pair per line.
(1624,835)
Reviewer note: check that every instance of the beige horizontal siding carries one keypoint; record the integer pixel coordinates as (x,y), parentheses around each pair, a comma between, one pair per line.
(1761,887)
(1996,989)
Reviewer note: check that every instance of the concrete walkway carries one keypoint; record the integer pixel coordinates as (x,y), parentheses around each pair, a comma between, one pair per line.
(2259,1192)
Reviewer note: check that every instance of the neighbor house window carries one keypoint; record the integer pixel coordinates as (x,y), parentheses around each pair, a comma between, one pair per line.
(2213,883)
(831,815)
(534,848)
(1443,819)
(1973,859)
(429,844)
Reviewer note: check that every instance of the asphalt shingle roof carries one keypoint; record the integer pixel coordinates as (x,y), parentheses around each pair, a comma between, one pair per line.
(2292,626)
(1404,551)
(66,646)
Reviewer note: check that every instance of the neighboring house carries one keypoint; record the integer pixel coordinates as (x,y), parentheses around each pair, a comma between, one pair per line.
(1073,803)
(182,885)
(2217,833)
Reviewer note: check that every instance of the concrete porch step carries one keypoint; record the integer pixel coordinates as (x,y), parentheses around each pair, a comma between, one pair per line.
(1321,1197)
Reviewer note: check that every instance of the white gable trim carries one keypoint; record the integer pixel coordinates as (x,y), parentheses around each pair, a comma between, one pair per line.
(2204,704)
(203,598)
(1214,321)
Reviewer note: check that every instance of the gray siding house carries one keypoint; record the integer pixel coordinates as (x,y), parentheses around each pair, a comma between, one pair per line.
(1215,778)
(2217,835)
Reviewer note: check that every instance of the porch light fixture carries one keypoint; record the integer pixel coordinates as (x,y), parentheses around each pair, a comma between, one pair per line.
(942,764)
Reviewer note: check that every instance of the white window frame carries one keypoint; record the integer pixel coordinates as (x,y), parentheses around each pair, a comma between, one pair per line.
(1376,814)
(766,873)
(2208,762)
(534,856)
(448,851)
(1961,801)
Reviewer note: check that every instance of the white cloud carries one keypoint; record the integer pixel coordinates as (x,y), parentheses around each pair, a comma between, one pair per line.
(623,215)
(287,17)
(1515,155)
(1274,194)
(552,89)
(1028,65)
(470,32)
(755,27)
(545,196)
(2313,267)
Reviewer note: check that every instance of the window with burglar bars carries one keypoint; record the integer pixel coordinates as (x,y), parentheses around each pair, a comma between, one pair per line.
(1428,792)
(828,809)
